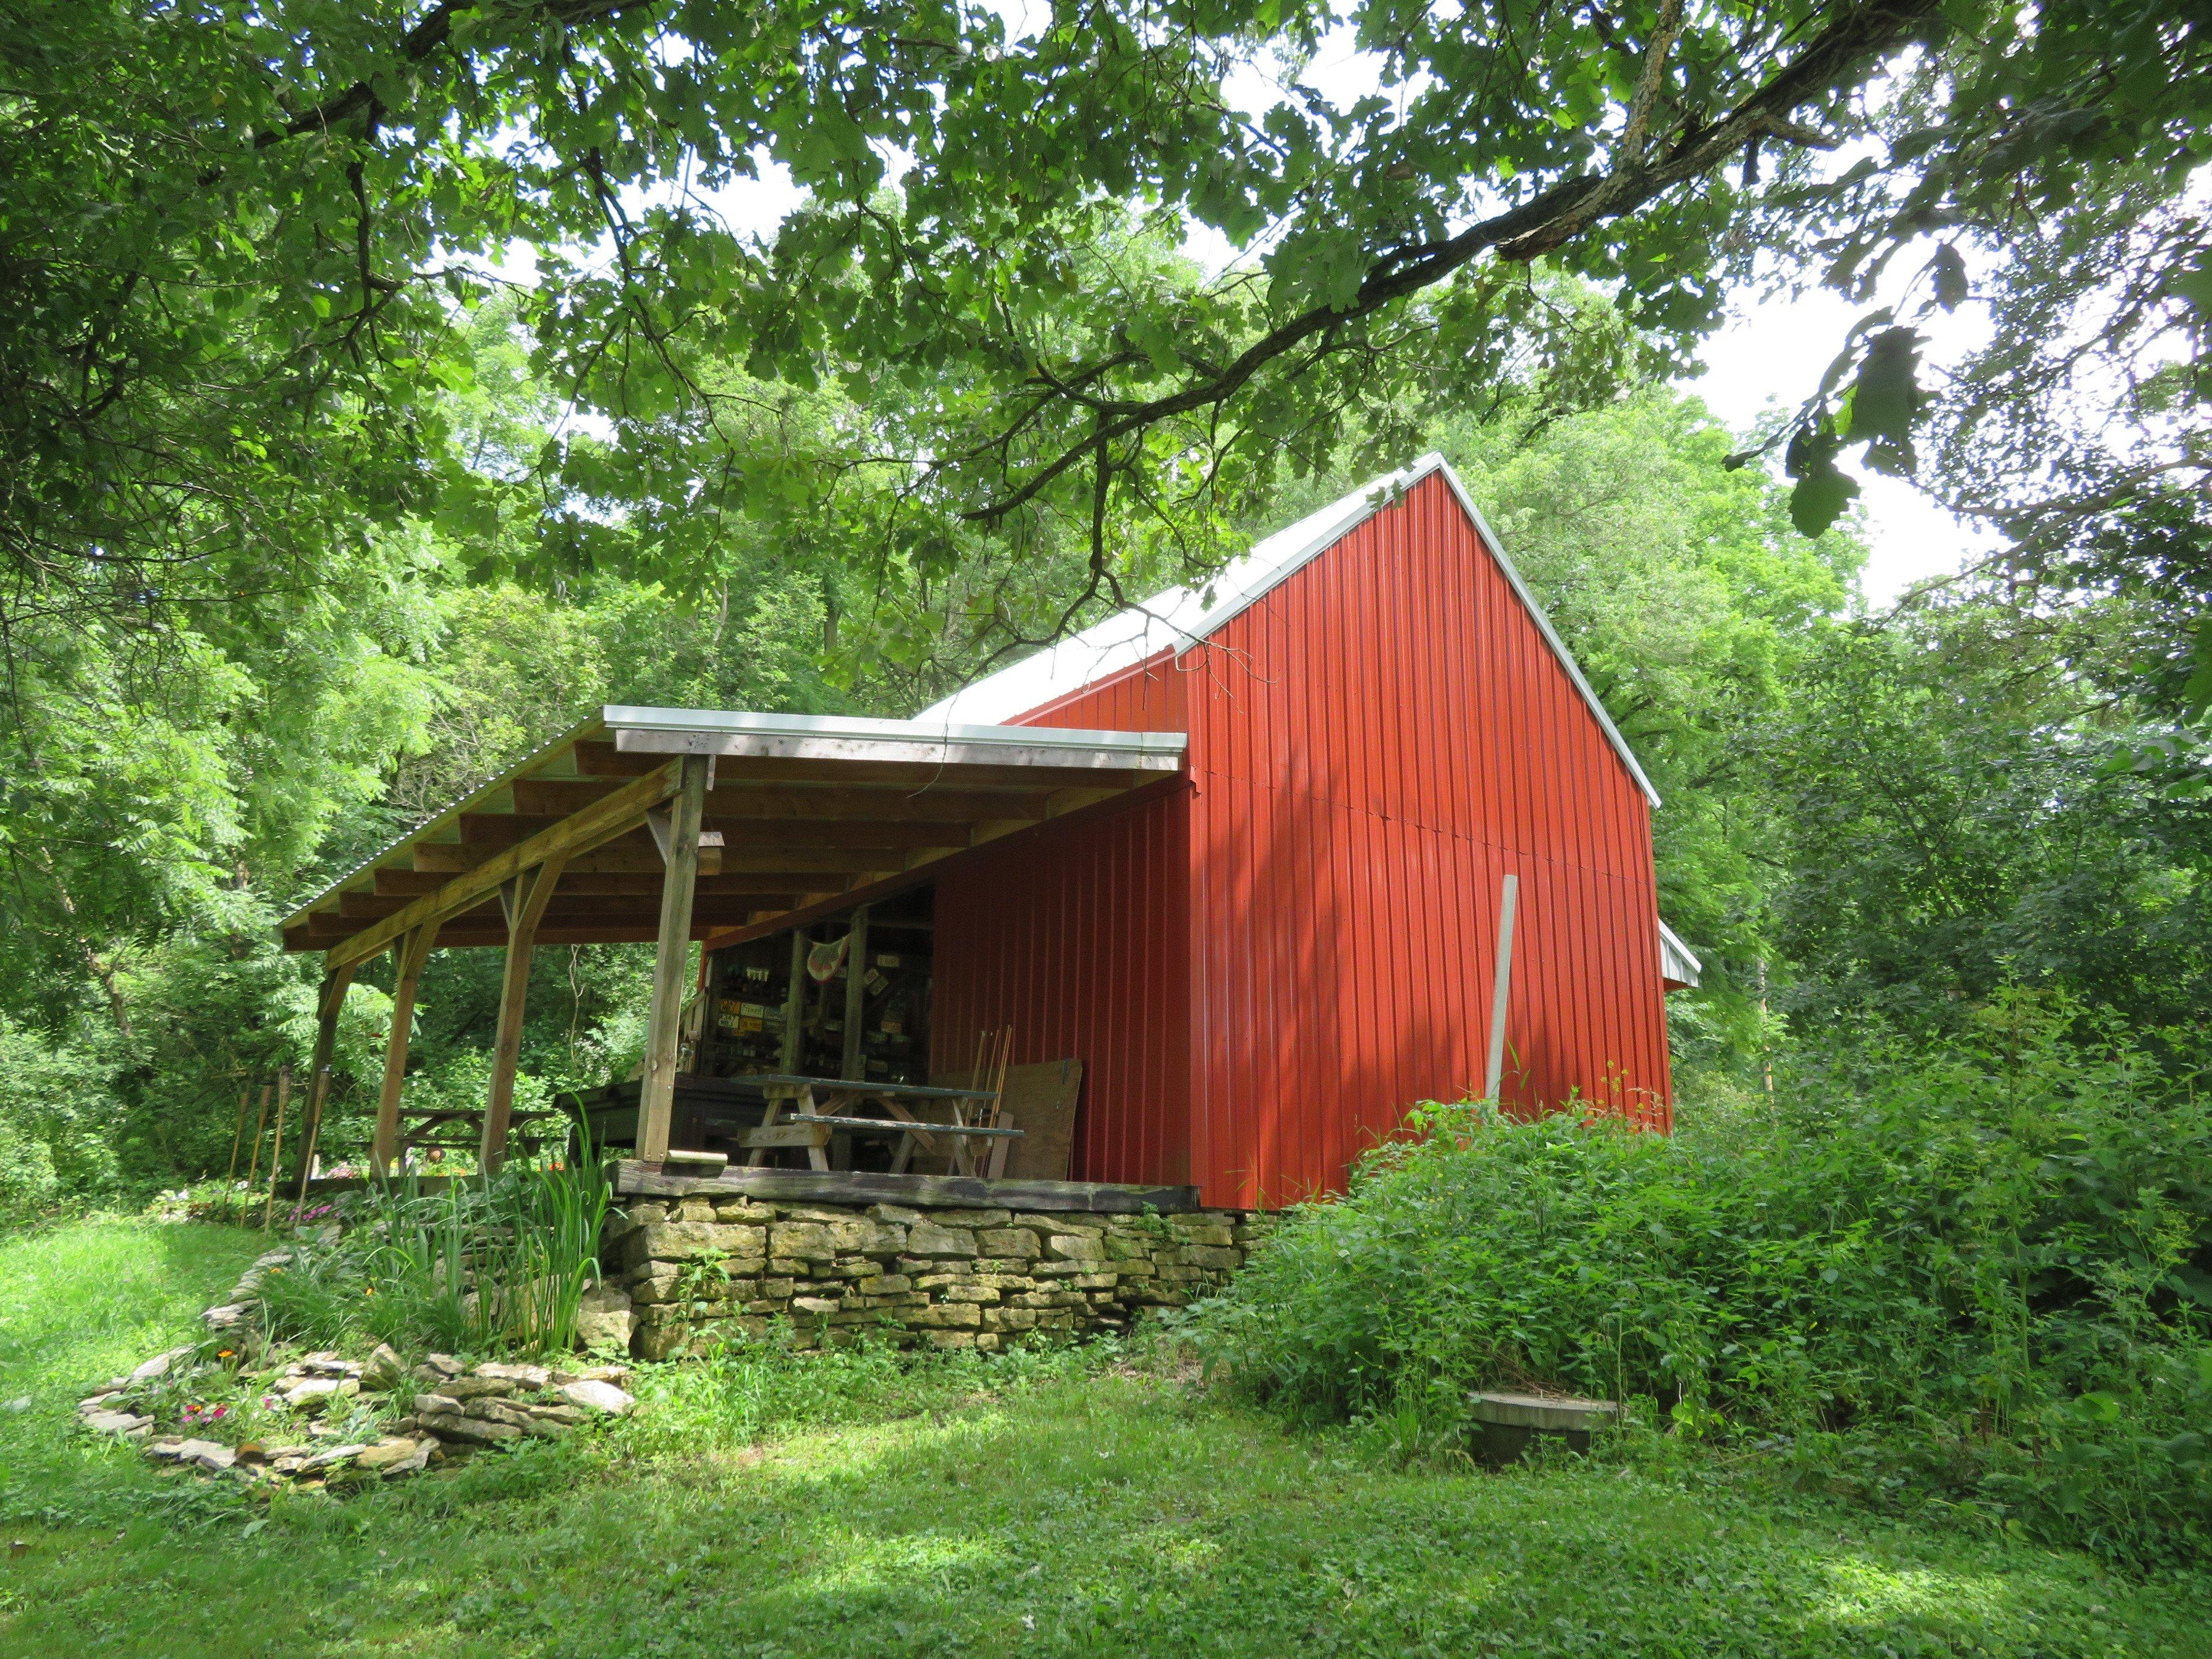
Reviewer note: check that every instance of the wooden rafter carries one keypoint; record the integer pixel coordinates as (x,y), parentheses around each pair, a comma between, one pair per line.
(601,820)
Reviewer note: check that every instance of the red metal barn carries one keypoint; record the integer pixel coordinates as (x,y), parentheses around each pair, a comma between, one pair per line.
(1264,964)
(1229,866)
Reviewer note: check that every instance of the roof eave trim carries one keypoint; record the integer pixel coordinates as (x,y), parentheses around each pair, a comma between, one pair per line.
(682,723)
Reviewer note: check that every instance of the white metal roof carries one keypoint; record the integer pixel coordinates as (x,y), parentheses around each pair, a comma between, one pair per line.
(1677,961)
(1182,617)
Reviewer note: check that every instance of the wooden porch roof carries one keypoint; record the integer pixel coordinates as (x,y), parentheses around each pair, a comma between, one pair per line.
(800,811)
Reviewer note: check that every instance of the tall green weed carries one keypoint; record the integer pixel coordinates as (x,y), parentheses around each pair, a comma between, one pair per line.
(1981,1276)
(470,1264)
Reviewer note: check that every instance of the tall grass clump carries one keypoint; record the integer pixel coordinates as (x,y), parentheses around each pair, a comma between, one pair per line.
(474,1264)
(1982,1277)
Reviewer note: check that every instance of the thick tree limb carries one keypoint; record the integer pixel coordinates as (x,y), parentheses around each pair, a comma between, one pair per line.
(432,34)
(1525,233)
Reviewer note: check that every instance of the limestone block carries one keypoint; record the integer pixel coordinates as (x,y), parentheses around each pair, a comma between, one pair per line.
(1076,1247)
(469,1431)
(1066,1222)
(1173,1273)
(398,1455)
(814,1306)
(658,1341)
(604,1398)
(1016,1242)
(743,1211)
(603,1318)
(384,1371)
(470,1388)
(1010,1319)
(927,1239)
(1219,1260)
(974,1219)
(685,1241)
(1193,1230)
(945,1316)
(523,1376)
(693,1209)
(648,1213)
(790,1266)
(884,1285)
(897,1215)
(1094,1281)
(970,1293)
(778,1288)
(951,1338)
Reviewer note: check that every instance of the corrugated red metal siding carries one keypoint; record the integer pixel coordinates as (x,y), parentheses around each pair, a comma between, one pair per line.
(1075,935)
(1262,972)
(1374,744)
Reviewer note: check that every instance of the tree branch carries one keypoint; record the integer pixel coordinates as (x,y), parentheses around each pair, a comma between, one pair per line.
(1525,233)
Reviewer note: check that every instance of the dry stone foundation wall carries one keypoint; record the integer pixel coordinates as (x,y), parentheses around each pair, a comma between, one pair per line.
(703,1270)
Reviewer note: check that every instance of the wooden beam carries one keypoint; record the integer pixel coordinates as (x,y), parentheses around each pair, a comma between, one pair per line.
(624,855)
(795,1005)
(525,902)
(411,951)
(602,821)
(330,1001)
(816,803)
(641,1178)
(656,1098)
(404,885)
(856,992)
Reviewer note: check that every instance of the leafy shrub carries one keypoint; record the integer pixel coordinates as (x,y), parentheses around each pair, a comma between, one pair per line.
(1982,1275)
(58,1119)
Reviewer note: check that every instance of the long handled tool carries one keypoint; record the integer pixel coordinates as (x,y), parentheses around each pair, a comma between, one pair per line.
(260,1122)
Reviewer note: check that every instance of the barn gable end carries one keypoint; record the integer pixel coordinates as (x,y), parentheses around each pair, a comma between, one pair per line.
(1382,725)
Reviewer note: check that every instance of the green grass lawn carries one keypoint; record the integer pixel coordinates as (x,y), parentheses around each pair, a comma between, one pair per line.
(859,1505)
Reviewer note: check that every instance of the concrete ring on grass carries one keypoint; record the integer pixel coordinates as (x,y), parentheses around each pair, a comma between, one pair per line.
(1507,1424)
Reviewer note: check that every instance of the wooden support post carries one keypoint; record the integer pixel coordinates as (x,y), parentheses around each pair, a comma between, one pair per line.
(679,881)
(260,1129)
(856,994)
(411,951)
(1501,989)
(794,1004)
(329,1004)
(524,899)
(277,1145)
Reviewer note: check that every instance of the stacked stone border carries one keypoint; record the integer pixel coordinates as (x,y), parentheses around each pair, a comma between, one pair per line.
(717,1265)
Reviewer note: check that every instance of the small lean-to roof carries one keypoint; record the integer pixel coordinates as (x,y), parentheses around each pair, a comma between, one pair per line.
(1182,617)
(1678,964)
(803,810)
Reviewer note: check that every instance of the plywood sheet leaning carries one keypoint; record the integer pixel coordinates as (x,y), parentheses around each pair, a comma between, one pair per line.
(1040,1101)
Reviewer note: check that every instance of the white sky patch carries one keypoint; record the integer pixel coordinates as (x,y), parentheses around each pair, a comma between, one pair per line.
(1771,357)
